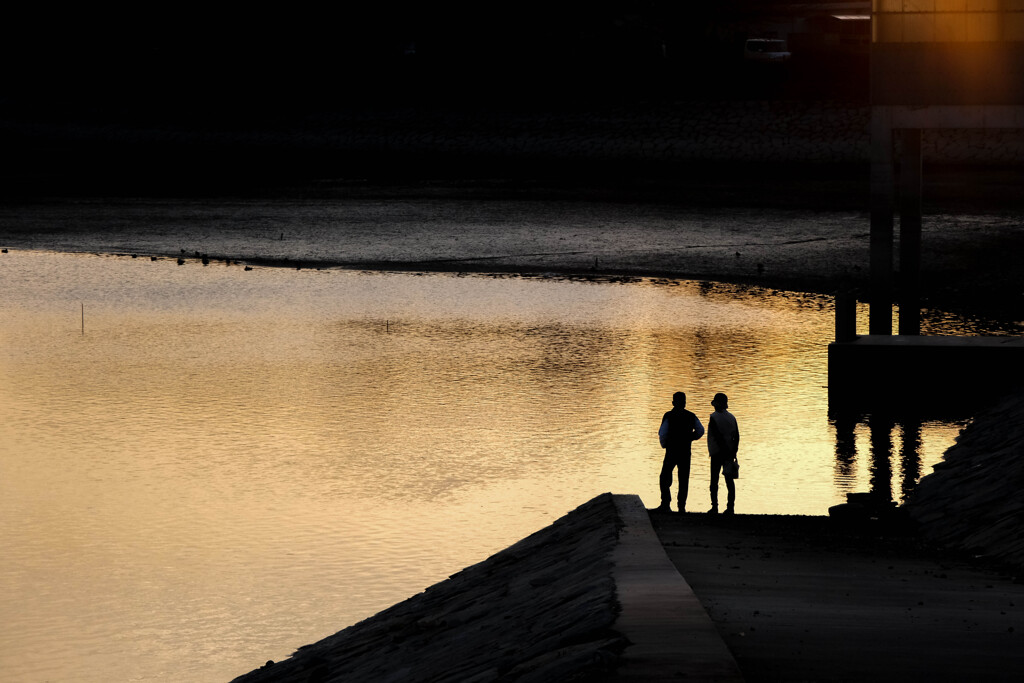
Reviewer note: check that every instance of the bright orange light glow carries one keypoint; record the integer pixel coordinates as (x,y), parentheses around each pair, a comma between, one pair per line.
(947,21)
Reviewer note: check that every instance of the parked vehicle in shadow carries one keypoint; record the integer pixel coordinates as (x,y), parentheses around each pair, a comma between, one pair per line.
(770,50)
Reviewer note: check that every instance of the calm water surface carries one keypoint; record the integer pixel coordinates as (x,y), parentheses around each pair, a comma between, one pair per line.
(228,464)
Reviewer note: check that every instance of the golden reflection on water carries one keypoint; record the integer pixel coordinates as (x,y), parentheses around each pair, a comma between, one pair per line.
(229,464)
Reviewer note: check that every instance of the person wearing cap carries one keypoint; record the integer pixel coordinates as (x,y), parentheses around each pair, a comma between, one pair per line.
(723,446)
(679,428)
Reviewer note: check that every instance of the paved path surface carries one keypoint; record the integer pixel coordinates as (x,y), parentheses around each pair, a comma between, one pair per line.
(797,599)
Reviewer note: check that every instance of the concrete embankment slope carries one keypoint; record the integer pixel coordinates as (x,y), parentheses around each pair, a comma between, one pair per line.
(591,597)
(974,500)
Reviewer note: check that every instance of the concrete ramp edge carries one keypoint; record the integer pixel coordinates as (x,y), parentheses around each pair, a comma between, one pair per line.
(671,635)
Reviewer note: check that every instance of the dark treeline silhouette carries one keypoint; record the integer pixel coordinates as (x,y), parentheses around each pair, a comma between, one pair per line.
(172,57)
(177,98)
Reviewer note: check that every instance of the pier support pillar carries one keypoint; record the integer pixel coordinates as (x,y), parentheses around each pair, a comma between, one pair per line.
(910,232)
(846,316)
(881,240)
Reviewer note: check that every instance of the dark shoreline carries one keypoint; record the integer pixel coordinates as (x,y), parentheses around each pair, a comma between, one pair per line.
(801,155)
(685,151)
(972,271)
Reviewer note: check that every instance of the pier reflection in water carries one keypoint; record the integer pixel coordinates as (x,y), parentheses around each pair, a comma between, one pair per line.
(227,464)
(894,452)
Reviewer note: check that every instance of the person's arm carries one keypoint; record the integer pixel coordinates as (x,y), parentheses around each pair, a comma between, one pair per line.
(698,428)
(714,430)
(663,432)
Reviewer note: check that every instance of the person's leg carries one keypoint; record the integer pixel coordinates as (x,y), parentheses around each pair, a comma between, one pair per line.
(730,484)
(665,480)
(716,467)
(684,481)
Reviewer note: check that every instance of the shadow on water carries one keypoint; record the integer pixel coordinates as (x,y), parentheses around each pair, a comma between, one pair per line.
(894,468)
(893,390)
(895,435)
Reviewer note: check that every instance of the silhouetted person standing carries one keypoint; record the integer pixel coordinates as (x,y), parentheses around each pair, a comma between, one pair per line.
(679,429)
(723,446)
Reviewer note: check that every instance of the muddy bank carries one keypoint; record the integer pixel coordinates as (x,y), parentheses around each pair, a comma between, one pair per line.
(773,193)
(969,260)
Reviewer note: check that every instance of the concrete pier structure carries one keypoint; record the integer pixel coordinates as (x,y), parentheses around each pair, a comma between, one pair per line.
(935,65)
(896,183)
(872,371)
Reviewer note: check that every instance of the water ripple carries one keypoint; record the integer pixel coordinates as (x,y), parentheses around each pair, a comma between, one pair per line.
(228,464)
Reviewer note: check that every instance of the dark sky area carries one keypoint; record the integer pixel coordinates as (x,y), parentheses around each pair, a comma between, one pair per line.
(123,90)
(164,53)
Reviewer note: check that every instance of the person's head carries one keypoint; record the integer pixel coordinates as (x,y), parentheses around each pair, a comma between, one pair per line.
(720,401)
(679,400)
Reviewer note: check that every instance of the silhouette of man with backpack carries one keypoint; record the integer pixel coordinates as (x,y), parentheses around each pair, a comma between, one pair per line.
(679,429)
